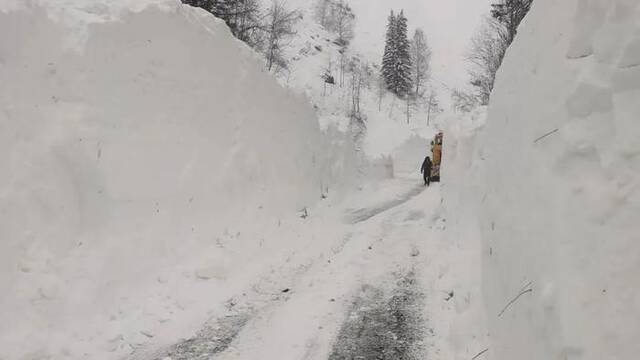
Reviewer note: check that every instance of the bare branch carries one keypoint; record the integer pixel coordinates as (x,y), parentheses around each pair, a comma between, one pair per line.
(480,354)
(525,289)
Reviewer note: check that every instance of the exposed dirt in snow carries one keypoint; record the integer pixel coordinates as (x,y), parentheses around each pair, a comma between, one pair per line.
(212,340)
(383,327)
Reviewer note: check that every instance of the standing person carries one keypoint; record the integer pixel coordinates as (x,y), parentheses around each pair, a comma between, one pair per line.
(426,171)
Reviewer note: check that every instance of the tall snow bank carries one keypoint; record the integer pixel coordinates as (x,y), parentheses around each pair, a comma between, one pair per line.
(127,148)
(560,190)
(462,164)
(384,129)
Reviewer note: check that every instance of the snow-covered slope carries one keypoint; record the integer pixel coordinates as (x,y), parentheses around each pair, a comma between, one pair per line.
(313,51)
(558,190)
(135,138)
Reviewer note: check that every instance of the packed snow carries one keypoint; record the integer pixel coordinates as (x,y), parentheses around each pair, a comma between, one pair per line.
(127,168)
(553,183)
(163,196)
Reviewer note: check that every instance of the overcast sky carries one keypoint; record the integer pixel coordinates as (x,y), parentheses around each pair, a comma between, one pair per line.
(448,24)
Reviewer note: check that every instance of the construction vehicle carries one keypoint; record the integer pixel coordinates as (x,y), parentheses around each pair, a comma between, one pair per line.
(436,151)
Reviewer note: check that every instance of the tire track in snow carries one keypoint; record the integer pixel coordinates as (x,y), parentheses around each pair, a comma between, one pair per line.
(213,339)
(218,334)
(383,327)
(379,325)
(364,214)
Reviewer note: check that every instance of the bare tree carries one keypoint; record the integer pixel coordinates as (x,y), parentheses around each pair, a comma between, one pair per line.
(242,16)
(463,101)
(433,105)
(321,11)
(420,58)
(343,22)
(336,16)
(381,90)
(247,18)
(360,78)
(343,64)
(488,48)
(410,100)
(279,28)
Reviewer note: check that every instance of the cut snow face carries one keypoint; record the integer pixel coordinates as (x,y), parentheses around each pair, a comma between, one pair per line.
(127,165)
(554,183)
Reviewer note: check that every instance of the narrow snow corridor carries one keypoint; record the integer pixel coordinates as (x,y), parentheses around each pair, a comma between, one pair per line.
(243,179)
(365,214)
(365,296)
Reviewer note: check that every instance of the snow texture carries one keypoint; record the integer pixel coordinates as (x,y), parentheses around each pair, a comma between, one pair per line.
(130,151)
(554,186)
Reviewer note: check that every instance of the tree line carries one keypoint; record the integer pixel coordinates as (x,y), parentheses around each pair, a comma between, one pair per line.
(488,49)
(265,29)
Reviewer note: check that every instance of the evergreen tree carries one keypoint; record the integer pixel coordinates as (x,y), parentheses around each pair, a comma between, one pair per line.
(396,61)
(389,57)
(403,57)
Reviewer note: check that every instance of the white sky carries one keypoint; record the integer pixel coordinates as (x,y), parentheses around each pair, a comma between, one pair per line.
(448,24)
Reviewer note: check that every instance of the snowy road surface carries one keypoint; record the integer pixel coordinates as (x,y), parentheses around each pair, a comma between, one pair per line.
(370,295)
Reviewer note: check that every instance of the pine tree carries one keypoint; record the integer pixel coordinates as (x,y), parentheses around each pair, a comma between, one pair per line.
(403,58)
(389,57)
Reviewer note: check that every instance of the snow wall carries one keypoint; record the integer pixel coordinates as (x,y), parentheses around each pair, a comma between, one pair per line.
(460,185)
(132,134)
(554,184)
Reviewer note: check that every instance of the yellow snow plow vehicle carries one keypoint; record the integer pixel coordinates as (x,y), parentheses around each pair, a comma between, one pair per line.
(436,151)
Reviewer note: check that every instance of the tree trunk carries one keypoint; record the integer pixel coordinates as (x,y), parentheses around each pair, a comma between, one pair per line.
(408,110)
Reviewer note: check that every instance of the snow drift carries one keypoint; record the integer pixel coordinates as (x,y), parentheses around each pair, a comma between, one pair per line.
(131,137)
(557,193)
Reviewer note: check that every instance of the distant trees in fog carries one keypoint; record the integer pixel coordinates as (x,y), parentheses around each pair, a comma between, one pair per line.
(420,59)
(336,16)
